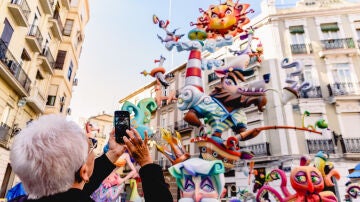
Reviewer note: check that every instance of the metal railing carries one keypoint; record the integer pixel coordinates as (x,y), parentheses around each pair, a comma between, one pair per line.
(261,149)
(4,134)
(23,6)
(212,77)
(344,88)
(351,145)
(181,125)
(316,145)
(301,48)
(58,19)
(47,53)
(7,58)
(337,43)
(315,92)
(35,32)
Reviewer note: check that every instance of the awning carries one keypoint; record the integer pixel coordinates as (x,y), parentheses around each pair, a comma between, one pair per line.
(329,27)
(296,29)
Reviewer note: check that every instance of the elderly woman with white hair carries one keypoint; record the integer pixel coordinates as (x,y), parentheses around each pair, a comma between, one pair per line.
(55,161)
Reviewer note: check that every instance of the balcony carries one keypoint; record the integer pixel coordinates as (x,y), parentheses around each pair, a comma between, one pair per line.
(35,38)
(47,6)
(262,149)
(351,145)
(4,135)
(20,11)
(337,46)
(316,145)
(65,3)
(48,61)
(36,100)
(12,72)
(56,26)
(315,92)
(301,48)
(182,126)
(343,89)
(212,77)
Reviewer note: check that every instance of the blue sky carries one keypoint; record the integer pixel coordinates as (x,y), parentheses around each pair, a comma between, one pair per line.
(120,42)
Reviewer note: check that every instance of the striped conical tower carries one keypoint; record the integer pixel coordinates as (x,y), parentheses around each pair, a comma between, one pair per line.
(193,70)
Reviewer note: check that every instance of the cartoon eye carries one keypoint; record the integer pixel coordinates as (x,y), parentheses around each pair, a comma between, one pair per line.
(315,178)
(189,185)
(214,15)
(300,177)
(228,12)
(206,185)
(230,82)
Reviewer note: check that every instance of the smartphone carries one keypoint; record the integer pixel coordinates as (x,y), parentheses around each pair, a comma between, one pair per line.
(121,124)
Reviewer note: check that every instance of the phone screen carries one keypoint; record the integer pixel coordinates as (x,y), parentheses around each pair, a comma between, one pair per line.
(121,123)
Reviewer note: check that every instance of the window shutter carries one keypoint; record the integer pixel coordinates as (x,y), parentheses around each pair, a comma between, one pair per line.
(329,27)
(60,58)
(296,29)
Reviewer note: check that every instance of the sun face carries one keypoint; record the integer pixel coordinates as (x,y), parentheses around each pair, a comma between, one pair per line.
(225,19)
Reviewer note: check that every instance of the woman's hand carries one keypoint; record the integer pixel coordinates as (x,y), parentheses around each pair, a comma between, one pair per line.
(137,147)
(115,149)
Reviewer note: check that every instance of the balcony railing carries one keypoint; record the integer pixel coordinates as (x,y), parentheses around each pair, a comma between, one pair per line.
(182,125)
(344,88)
(20,10)
(7,58)
(301,48)
(50,59)
(337,43)
(326,145)
(261,149)
(47,6)
(351,145)
(212,77)
(35,38)
(315,92)
(57,27)
(163,163)
(4,135)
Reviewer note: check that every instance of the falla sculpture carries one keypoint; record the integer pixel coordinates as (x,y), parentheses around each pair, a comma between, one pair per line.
(307,181)
(223,108)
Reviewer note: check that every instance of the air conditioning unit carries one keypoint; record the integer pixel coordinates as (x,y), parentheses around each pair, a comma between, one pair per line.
(68,111)
(62,100)
(75,82)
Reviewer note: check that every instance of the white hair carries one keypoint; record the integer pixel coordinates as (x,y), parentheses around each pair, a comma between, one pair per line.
(47,153)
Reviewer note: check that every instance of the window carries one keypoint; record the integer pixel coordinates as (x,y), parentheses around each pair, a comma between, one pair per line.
(5,114)
(68,27)
(51,100)
(74,3)
(341,73)
(70,71)
(330,30)
(60,58)
(7,32)
(310,75)
(297,34)
(358,33)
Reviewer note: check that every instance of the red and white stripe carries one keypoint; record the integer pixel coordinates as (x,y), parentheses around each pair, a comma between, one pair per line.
(193,70)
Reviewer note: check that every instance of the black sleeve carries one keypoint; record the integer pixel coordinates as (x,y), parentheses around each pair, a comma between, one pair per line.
(102,168)
(153,184)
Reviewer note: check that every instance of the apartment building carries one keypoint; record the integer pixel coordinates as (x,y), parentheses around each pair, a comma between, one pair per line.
(325,37)
(102,125)
(40,46)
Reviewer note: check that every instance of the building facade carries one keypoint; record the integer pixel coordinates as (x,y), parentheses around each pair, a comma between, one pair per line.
(325,37)
(40,46)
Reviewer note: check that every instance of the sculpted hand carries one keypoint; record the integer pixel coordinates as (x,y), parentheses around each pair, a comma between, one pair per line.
(138,148)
